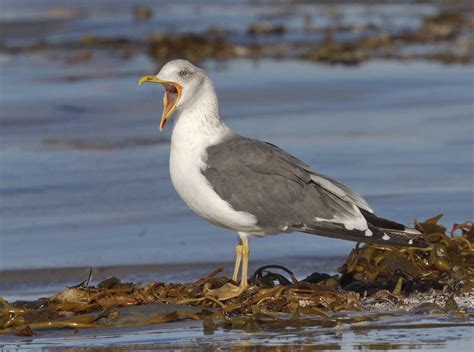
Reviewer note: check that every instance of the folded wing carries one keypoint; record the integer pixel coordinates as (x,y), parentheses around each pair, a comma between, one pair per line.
(285,194)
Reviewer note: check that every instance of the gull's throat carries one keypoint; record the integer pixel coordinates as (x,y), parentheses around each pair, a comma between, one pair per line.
(199,124)
(171,94)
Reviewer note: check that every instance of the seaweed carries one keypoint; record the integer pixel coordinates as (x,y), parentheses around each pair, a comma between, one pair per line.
(446,264)
(443,37)
(370,275)
(195,47)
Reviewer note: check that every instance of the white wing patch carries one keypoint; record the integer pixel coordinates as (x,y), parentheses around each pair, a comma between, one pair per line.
(340,192)
(355,222)
(331,187)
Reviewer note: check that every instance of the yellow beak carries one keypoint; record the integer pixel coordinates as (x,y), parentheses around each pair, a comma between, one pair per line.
(170,99)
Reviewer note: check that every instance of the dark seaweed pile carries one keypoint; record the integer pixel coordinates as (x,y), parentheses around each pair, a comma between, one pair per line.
(448,264)
(443,37)
(275,298)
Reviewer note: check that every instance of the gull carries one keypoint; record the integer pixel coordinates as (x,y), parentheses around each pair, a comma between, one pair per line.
(253,187)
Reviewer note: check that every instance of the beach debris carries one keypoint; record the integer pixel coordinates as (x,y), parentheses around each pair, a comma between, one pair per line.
(142,13)
(265,28)
(26,331)
(442,37)
(337,53)
(195,47)
(434,280)
(448,263)
(443,25)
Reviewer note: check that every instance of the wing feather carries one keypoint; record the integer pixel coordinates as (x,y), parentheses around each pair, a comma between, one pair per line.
(285,194)
(275,187)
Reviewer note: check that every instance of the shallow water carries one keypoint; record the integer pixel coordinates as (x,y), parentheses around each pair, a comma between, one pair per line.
(84,178)
(114,18)
(391,333)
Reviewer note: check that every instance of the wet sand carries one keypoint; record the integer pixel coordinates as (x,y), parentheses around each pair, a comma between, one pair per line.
(407,332)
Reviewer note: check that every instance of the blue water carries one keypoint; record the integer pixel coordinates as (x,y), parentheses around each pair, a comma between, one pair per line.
(84,170)
(401,134)
(114,18)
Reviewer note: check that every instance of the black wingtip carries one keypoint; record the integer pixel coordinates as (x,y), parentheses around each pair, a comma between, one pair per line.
(396,238)
(376,221)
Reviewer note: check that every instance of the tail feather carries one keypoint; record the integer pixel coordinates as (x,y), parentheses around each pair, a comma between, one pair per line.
(375,235)
(388,226)
(410,231)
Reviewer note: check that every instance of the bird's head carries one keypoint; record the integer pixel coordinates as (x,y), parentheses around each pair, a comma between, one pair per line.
(182,81)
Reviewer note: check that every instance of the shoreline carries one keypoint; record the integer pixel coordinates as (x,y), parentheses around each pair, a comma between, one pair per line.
(28,283)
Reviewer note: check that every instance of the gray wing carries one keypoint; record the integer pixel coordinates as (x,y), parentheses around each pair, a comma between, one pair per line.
(331,185)
(280,190)
(285,194)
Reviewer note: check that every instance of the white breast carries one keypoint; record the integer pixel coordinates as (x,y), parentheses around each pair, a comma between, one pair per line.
(187,158)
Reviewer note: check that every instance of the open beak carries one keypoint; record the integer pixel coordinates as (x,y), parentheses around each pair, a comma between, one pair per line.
(170,99)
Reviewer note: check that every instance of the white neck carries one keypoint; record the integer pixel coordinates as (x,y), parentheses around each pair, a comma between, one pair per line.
(199,125)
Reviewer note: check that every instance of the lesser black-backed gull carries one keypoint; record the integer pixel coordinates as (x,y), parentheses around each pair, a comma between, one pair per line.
(254,187)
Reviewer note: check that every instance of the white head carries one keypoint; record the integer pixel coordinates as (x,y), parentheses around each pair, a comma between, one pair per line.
(182,82)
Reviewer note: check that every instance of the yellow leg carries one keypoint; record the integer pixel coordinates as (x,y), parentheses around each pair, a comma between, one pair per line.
(229,291)
(245,264)
(238,259)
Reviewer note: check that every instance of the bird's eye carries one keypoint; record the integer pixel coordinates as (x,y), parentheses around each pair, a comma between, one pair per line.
(183,72)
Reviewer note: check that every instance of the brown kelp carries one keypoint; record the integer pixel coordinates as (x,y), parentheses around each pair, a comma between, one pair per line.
(275,299)
(447,264)
(442,37)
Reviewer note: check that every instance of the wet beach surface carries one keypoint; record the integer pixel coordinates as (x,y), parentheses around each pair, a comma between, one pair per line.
(434,333)
(84,176)
(109,202)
